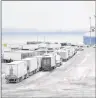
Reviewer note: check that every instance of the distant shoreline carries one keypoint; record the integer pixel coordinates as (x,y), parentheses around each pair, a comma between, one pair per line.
(42,33)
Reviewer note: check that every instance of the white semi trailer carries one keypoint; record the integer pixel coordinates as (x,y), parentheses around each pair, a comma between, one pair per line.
(48,62)
(58,59)
(18,55)
(64,54)
(71,51)
(33,64)
(16,71)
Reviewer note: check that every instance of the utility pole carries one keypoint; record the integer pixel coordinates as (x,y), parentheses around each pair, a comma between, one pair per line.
(95,23)
(90,30)
(44,44)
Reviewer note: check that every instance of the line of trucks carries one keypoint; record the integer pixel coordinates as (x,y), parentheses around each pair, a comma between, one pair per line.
(19,70)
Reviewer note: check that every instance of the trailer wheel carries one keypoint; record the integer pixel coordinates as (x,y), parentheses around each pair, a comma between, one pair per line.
(34,71)
(37,70)
(25,77)
(40,69)
(60,63)
(53,67)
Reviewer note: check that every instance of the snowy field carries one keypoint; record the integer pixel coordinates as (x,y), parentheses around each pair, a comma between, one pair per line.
(75,78)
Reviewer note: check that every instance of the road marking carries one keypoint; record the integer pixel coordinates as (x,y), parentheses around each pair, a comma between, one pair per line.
(84,60)
(87,55)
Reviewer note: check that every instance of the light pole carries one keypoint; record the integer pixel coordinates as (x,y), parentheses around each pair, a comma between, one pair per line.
(95,23)
(90,30)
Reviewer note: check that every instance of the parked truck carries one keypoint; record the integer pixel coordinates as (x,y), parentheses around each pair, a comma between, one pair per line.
(32,65)
(16,71)
(71,51)
(48,62)
(18,55)
(64,54)
(58,59)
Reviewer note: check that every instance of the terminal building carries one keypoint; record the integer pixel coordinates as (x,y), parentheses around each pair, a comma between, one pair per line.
(90,39)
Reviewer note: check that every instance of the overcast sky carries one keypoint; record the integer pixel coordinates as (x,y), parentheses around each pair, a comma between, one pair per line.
(47,15)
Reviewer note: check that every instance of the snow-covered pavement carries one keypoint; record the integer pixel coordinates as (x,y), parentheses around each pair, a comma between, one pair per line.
(75,78)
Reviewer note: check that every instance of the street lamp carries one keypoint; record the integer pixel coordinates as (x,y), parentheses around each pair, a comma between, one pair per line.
(95,23)
(90,30)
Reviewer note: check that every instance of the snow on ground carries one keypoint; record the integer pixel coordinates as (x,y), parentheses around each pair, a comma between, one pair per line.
(75,78)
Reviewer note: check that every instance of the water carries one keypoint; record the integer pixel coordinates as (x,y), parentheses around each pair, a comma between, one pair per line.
(49,36)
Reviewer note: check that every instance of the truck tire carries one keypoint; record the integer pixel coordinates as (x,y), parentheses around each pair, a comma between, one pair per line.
(25,76)
(40,69)
(60,63)
(52,68)
(37,70)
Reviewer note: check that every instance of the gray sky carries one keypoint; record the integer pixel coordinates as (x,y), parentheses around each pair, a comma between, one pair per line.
(47,15)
